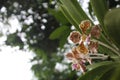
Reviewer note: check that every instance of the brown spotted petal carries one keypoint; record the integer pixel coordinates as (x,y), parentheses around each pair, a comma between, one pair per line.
(82,49)
(84,25)
(73,55)
(95,31)
(75,36)
(76,54)
(69,56)
(93,47)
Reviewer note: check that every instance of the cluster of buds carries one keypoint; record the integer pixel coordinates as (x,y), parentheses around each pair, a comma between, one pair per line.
(85,47)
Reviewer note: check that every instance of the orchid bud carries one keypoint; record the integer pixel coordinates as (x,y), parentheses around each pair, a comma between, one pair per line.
(95,31)
(84,25)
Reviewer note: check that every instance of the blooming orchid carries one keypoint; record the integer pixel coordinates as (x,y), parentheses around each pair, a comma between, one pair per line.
(81,53)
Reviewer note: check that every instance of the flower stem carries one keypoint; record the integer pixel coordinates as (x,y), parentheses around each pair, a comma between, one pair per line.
(103,58)
(109,42)
(107,46)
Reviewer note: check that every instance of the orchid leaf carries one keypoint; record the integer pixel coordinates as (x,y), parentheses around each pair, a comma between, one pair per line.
(100,8)
(97,72)
(73,11)
(112,22)
(58,32)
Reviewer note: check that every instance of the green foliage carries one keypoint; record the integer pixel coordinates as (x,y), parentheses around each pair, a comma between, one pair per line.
(73,12)
(96,73)
(106,71)
(44,38)
(112,22)
(15,39)
(61,33)
(100,8)
(59,16)
(68,16)
(64,37)
(56,34)
(109,40)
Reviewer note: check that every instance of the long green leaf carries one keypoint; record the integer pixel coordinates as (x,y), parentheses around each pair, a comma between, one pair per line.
(58,32)
(100,8)
(94,65)
(116,74)
(67,15)
(112,21)
(96,73)
(107,75)
(112,74)
(63,38)
(72,9)
(79,9)
(58,15)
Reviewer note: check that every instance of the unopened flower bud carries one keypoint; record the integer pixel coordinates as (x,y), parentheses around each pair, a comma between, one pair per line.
(84,25)
(95,31)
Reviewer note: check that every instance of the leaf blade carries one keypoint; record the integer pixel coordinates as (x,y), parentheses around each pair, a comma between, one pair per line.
(58,32)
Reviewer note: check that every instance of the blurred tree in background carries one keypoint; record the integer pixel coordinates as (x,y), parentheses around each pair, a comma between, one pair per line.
(45,18)
(44,30)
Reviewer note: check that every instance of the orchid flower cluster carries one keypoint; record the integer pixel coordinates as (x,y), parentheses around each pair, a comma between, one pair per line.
(85,47)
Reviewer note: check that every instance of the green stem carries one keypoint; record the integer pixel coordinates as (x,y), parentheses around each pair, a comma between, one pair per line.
(107,46)
(109,42)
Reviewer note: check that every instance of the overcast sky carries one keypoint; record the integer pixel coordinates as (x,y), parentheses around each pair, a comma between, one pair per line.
(14,64)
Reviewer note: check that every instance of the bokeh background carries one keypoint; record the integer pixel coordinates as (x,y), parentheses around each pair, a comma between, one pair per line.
(33,39)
